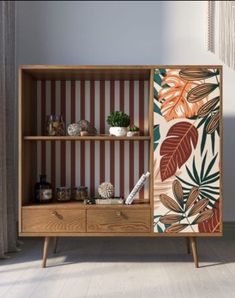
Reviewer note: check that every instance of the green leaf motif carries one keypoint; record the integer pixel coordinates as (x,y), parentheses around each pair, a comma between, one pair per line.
(203,180)
(211,164)
(195,173)
(203,167)
(158,75)
(204,135)
(156,109)
(162,71)
(159,229)
(155,93)
(213,143)
(157,78)
(156,216)
(156,136)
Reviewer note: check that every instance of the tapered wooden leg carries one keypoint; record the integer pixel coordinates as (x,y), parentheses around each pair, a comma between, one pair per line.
(55,245)
(45,251)
(188,245)
(193,243)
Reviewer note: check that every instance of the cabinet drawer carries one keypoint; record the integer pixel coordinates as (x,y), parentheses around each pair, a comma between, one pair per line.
(118,220)
(53,220)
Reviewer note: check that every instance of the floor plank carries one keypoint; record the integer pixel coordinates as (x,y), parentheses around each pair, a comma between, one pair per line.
(121,267)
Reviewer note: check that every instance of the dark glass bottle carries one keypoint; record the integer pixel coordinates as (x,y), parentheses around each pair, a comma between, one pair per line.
(43,191)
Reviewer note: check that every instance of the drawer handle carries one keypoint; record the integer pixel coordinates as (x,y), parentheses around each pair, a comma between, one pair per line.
(119,213)
(55,213)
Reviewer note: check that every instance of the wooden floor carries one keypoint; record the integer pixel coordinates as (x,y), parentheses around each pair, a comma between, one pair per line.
(123,268)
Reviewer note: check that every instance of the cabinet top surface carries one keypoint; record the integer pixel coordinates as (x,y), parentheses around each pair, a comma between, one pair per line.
(97,72)
(146,66)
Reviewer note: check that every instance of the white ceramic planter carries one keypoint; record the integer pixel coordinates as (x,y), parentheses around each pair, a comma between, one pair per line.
(118,131)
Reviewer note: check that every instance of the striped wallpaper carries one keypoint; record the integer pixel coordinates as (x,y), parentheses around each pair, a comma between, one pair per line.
(90,163)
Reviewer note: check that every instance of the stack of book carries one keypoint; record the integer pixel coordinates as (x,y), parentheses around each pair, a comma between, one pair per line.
(109,201)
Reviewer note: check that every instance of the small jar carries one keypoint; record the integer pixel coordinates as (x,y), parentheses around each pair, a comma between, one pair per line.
(80,193)
(43,191)
(55,125)
(63,194)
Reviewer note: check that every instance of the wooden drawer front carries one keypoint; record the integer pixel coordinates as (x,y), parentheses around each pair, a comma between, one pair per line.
(53,220)
(115,220)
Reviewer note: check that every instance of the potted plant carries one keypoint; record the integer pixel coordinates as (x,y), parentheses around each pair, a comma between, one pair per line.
(133,131)
(119,121)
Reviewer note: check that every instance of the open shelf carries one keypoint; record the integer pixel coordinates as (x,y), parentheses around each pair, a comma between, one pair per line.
(81,205)
(86,138)
(106,72)
(84,93)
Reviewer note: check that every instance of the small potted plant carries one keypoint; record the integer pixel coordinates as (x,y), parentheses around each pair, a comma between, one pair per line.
(133,131)
(118,121)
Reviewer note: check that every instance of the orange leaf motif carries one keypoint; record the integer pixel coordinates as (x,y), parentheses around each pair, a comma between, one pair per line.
(174,97)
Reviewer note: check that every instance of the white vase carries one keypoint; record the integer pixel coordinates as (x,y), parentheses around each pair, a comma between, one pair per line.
(118,131)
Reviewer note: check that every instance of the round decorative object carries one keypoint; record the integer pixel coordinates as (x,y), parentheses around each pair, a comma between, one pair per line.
(106,190)
(118,131)
(75,129)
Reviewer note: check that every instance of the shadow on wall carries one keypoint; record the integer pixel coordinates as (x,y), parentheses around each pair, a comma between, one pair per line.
(229,168)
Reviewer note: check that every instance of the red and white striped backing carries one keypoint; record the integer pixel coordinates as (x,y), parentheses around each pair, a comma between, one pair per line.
(90,163)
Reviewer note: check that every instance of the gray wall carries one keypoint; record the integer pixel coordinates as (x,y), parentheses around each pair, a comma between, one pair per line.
(131,32)
(66,32)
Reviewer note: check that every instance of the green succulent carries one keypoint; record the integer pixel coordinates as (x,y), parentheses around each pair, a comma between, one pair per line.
(118,119)
(133,128)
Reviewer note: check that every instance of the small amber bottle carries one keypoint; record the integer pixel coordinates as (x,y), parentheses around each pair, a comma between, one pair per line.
(43,191)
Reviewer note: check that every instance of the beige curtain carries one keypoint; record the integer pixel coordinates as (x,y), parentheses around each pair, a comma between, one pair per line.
(211,26)
(8,128)
(223,43)
(227,33)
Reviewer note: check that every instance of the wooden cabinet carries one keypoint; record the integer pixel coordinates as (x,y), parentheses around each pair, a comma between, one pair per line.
(179,112)
(118,220)
(53,220)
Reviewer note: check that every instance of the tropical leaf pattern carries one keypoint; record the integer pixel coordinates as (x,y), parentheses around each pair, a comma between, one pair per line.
(187,118)
(177,147)
(183,213)
(174,97)
(213,224)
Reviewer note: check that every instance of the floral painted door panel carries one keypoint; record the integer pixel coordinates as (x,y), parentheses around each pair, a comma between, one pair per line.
(187,116)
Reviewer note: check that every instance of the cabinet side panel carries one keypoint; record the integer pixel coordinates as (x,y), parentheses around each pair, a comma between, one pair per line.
(28,127)
(187,150)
